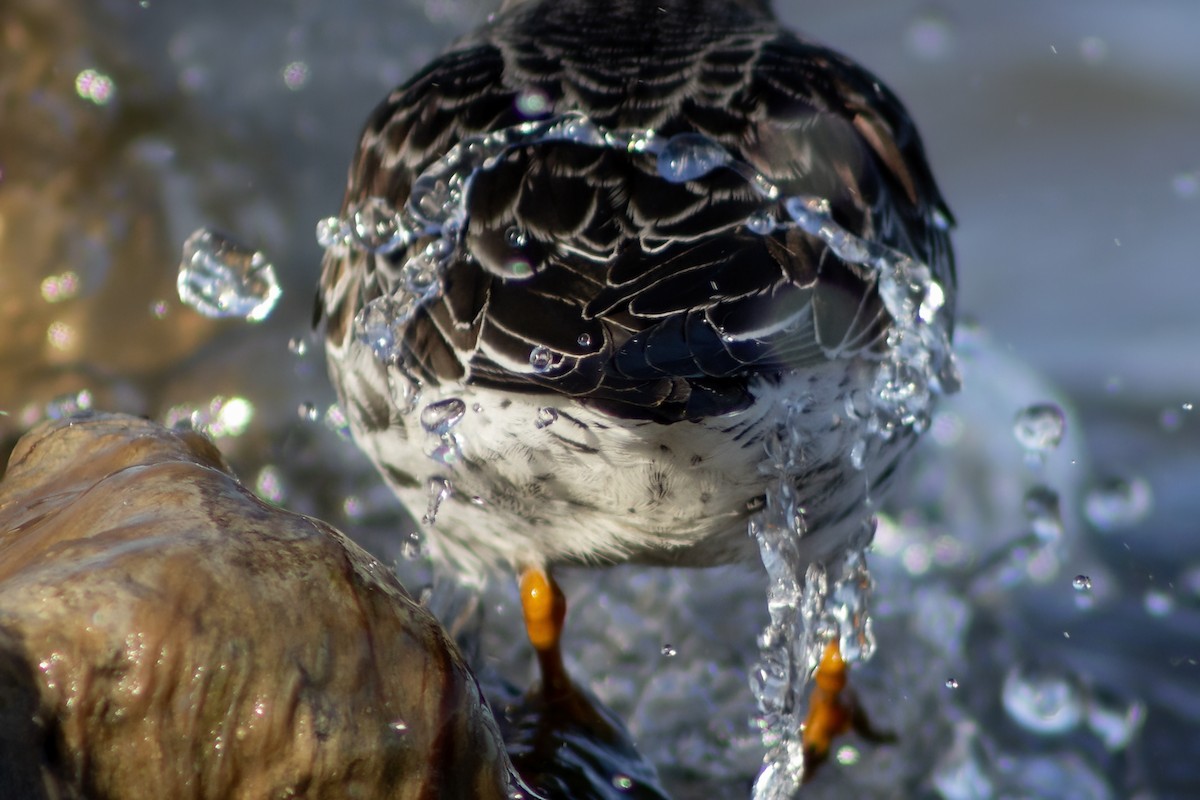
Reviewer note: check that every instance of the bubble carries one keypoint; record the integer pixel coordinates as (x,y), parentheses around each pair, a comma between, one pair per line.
(1043,701)
(221,278)
(94,86)
(438,418)
(952,683)
(541,359)
(1082,583)
(669,651)
(690,156)
(1118,503)
(1040,428)
(545,418)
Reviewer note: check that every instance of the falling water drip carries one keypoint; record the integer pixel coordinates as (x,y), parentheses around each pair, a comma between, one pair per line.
(439,489)
(221,278)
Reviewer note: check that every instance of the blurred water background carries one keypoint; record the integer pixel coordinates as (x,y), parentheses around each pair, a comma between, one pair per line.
(1015,660)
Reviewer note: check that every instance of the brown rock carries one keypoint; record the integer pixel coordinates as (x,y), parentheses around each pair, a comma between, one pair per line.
(163,633)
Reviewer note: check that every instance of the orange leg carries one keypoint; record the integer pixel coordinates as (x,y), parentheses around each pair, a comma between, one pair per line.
(832,711)
(545,609)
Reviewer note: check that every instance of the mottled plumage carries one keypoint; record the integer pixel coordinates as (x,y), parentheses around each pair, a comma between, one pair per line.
(674,330)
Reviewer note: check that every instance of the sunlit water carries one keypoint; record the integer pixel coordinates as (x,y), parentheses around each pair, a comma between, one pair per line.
(1003,675)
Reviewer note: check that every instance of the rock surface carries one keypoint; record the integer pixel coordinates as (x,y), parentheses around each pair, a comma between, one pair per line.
(164,633)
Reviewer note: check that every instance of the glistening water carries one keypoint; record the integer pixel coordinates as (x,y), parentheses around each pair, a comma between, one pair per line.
(1035,607)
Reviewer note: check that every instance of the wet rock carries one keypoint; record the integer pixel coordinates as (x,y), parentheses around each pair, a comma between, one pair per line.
(163,633)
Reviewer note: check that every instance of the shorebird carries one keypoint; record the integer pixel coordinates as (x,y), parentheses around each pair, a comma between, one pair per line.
(589,255)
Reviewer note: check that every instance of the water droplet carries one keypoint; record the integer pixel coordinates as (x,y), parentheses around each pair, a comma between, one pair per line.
(541,359)
(422,278)
(398,725)
(622,782)
(68,405)
(1158,602)
(439,489)
(1041,506)
(159,309)
(376,325)
(584,340)
(1186,185)
(94,86)
(533,103)
(377,227)
(269,484)
(951,683)
(1114,720)
(761,222)
(1116,503)
(930,36)
(669,651)
(295,75)
(413,547)
(57,288)
(1040,428)
(848,755)
(333,232)
(1082,583)
(352,507)
(1043,701)
(438,418)
(309,412)
(298,346)
(1093,49)
(690,156)
(545,418)
(335,420)
(220,278)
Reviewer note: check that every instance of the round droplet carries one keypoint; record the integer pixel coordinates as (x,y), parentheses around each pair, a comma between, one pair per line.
(669,651)
(1042,701)
(398,725)
(541,359)
(309,412)
(1039,428)
(533,103)
(515,237)
(690,156)
(584,340)
(545,418)
(1082,583)
(762,223)
(438,418)
(298,346)
(376,325)
(952,683)
(221,278)
(1116,503)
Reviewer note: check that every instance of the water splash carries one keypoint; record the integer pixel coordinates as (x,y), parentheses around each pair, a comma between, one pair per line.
(221,278)
(809,606)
